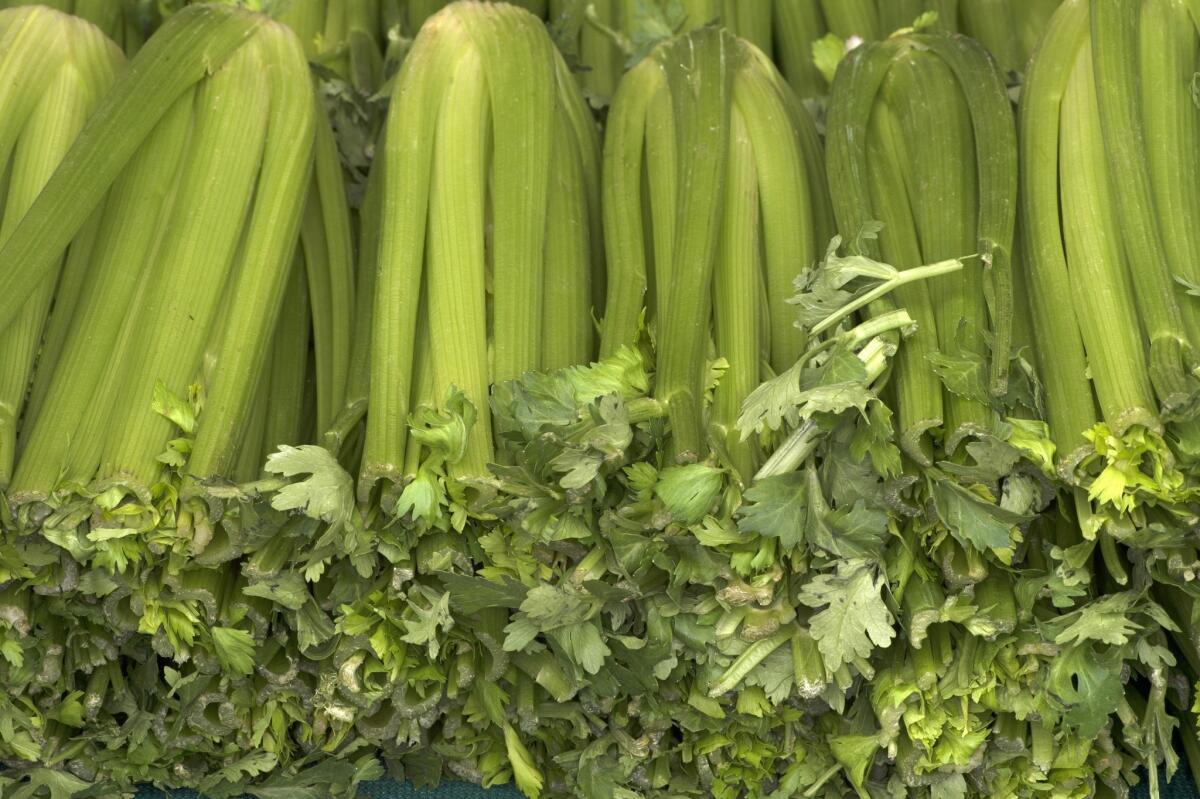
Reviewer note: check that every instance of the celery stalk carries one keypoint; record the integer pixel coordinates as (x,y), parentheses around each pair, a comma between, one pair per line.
(285,422)
(797,25)
(408,154)
(86,65)
(736,287)
(700,100)
(566,315)
(201,242)
(67,435)
(939,173)
(1114,25)
(1101,285)
(458,337)
(1069,401)
(259,280)
(192,44)
(515,51)
(1168,50)
(625,236)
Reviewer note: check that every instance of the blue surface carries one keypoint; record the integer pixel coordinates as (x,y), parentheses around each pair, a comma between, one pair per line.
(382,789)
(1180,788)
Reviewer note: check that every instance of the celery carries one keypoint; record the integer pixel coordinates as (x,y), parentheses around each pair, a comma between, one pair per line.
(260,277)
(408,156)
(1168,48)
(1172,356)
(456,278)
(187,49)
(41,124)
(790,178)
(1107,318)
(797,25)
(921,139)
(700,94)
(483,108)
(626,241)
(994,24)
(326,240)
(865,152)
(66,436)
(1069,401)
(859,18)
(201,242)
(737,286)
(567,319)
(286,422)
(668,212)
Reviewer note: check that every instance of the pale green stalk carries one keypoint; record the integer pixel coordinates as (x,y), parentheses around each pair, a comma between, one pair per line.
(359,378)
(736,288)
(73,284)
(1114,25)
(285,422)
(791,190)
(247,462)
(859,18)
(517,56)
(994,134)
(1168,50)
(799,23)
(67,435)
(994,24)
(625,236)
(260,279)
(201,242)
(700,80)
(566,311)
(87,63)
(661,187)
(752,21)
(938,165)
(408,154)
(1064,367)
(329,260)
(1101,286)
(586,134)
(457,263)
(192,44)
(865,146)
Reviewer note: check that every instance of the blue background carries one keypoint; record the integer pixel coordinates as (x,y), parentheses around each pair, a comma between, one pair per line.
(1180,788)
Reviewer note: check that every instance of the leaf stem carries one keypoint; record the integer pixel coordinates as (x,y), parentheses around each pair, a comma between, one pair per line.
(901,279)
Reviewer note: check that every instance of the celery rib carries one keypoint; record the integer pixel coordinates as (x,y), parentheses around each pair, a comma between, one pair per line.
(195,256)
(456,280)
(192,44)
(1069,401)
(260,278)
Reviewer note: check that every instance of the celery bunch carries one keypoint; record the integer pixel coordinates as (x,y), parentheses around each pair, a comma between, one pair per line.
(1109,180)
(312,469)
(713,199)
(1107,200)
(605,38)
(54,70)
(126,22)
(161,369)
(488,237)
(922,140)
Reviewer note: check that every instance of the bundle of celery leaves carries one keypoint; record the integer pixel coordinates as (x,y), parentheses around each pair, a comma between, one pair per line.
(625,399)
